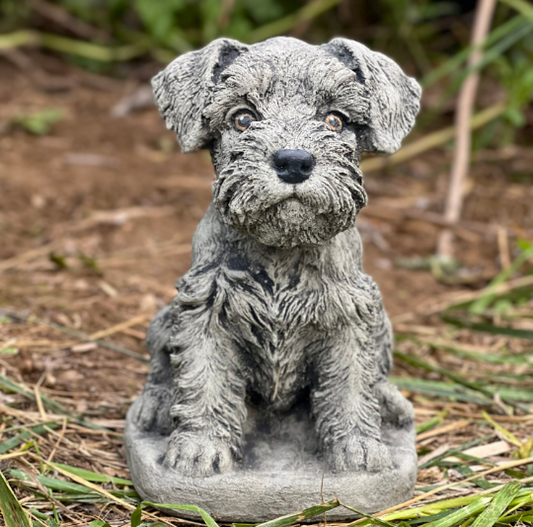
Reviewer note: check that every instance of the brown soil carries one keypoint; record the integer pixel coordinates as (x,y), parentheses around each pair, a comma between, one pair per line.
(50,193)
(65,261)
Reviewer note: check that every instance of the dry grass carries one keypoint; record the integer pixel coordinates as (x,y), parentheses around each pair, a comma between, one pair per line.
(89,253)
(471,390)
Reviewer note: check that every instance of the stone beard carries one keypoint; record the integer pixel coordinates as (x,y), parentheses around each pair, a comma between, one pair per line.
(274,355)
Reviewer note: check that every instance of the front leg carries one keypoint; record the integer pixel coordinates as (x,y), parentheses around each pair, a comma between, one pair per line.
(209,392)
(346,409)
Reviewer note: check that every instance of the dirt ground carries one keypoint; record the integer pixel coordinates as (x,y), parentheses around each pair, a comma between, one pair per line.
(96,220)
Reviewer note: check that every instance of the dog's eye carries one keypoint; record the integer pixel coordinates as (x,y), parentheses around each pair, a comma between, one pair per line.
(242,120)
(334,122)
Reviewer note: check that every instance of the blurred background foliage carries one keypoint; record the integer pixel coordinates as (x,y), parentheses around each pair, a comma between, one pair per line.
(430,38)
(75,255)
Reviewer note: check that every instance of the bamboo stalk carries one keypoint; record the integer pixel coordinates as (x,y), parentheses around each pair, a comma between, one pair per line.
(463,137)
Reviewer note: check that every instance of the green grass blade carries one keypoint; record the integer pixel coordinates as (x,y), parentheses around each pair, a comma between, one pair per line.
(455,450)
(432,517)
(51,483)
(488,328)
(11,386)
(375,521)
(521,6)
(481,304)
(498,504)
(415,361)
(467,471)
(136,516)
(13,513)
(437,507)
(460,514)
(486,391)
(431,423)
(94,476)
(66,486)
(25,436)
(523,498)
(520,518)
(298,517)
(439,389)
(451,65)
(208,520)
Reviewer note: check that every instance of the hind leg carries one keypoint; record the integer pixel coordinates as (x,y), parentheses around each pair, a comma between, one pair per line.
(394,407)
(151,411)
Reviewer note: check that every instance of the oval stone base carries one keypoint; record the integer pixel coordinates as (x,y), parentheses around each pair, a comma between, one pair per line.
(281,473)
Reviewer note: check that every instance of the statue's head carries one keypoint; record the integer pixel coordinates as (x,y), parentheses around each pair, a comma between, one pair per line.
(286,123)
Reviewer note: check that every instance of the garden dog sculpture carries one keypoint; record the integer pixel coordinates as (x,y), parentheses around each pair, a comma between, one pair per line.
(269,369)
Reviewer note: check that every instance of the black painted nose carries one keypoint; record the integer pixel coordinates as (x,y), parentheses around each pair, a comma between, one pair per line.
(293,166)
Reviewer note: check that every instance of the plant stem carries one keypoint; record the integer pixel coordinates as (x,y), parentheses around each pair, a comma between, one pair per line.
(463,138)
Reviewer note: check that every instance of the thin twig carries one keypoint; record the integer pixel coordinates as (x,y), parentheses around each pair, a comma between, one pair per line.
(463,137)
(77,334)
(461,228)
(433,140)
(27,256)
(119,327)
(59,439)
(39,402)
(503,247)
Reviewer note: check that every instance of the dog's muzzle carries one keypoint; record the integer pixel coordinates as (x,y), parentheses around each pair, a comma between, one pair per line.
(293,166)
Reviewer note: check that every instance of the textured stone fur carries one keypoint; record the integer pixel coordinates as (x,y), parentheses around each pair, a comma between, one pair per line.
(276,307)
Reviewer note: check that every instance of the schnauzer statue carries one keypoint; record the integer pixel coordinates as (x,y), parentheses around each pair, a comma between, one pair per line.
(276,321)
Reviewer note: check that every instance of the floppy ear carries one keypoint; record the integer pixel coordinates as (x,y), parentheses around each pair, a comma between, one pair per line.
(392,98)
(184,88)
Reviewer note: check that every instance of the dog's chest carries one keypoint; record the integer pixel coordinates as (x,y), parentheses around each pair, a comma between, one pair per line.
(281,311)
(273,322)
(272,306)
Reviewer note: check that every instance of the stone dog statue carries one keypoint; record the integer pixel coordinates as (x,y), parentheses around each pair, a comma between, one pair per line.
(276,308)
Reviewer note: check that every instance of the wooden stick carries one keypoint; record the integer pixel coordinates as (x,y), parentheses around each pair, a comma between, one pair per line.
(39,402)
(27,256)
(463,137)
(443,429)
(119,327)
(76,334)
(59,439)
(503,247)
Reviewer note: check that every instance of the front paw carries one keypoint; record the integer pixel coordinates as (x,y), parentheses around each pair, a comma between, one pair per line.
(196,454)
(355,452)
